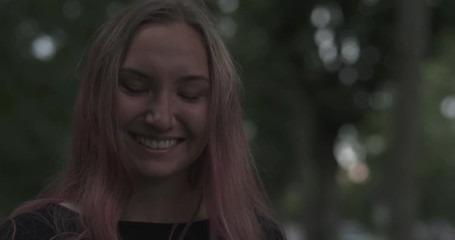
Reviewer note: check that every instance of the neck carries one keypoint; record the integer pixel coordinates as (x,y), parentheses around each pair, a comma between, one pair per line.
(165,201)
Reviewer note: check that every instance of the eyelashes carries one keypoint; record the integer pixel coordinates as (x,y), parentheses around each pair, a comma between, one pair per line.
(134,89)
(190,96)
(140,90)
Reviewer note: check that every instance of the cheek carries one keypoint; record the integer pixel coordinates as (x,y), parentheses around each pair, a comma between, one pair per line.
(194,119)
(199,122)
(126,109)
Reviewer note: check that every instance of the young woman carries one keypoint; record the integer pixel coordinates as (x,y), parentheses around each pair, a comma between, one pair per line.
(158,149)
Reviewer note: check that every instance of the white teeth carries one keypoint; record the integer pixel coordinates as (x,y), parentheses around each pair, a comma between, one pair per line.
(156,144)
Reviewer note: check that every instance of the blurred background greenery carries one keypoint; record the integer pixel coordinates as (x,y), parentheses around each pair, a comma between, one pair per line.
(349,106)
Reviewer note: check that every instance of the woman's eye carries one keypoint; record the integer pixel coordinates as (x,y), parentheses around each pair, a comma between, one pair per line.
(134,89)
(190,96)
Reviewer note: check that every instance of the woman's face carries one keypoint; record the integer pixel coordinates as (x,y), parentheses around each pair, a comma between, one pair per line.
(162,99)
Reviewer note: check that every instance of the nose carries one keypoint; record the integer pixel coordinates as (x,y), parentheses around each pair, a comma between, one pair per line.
(160,114)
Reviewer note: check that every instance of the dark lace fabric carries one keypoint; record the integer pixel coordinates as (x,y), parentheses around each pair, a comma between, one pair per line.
(40,225)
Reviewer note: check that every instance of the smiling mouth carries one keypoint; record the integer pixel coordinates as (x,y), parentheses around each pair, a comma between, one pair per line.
(156,144)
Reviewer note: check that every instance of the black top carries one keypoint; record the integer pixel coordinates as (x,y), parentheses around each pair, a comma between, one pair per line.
(40,225)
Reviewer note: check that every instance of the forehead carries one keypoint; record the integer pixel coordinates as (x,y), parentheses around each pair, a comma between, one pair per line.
(167,36)
(175,44)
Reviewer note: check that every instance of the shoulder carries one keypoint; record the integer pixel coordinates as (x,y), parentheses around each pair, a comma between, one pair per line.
(39,224)
(27,226)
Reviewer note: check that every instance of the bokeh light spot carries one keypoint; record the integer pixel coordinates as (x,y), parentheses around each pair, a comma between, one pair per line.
(227,27)
(250,129)
(447,107)
(328,52)
(381,100)
(350,50)
(358,173)
(324,36)
(228,6)
(350,154)
(43,47)
(347,150)
(320,16)
(27,28)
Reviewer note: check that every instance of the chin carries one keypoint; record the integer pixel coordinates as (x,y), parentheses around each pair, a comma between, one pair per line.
(159,172)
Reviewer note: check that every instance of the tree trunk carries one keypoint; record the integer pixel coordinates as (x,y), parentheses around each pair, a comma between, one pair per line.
(314,146)
(322,213)
(412,23)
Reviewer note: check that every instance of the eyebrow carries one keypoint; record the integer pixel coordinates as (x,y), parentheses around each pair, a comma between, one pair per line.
(188,78)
